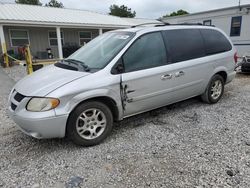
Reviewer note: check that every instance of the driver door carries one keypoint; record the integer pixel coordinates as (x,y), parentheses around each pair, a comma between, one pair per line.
(146,80)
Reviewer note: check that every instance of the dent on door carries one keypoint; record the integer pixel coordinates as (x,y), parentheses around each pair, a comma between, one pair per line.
(145,90)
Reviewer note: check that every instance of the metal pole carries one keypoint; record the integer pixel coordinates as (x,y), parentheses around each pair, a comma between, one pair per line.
(59,42)
(240,5)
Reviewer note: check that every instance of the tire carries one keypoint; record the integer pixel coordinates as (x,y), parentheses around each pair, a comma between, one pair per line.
(213,94)
(90,123)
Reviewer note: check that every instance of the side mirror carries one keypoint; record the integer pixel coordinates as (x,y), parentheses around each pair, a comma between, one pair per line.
(118,68)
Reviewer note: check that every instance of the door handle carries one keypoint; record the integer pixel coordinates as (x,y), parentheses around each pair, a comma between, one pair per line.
(179,74)
(166,76)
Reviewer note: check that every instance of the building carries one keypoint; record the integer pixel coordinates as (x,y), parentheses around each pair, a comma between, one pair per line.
(47,27)
(234,21)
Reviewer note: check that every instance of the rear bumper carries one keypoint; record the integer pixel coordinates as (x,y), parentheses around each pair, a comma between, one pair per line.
(230,77)
(42,128)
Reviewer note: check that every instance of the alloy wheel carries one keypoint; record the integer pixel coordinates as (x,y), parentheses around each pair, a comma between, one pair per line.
(216,89)
(91,124)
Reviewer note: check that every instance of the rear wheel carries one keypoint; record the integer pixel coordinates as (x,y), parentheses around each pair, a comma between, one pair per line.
(90,123)
(215,90)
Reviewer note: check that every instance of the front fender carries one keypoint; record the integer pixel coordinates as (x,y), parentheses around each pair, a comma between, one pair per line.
(79,98)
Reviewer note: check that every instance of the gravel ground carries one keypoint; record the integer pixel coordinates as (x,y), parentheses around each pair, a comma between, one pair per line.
(16,72)
(188,144)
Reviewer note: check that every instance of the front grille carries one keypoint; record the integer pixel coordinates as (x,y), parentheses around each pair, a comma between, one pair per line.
(13,106)
(16,98)
(19,97)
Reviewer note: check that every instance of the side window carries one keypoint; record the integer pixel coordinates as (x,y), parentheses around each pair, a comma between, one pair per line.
(215,42)
(85,37)
(146,52)
(184,44)
(236,26)
(53,38)
(19,37)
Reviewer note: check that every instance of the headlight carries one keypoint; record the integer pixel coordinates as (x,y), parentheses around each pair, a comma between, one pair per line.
(37,104)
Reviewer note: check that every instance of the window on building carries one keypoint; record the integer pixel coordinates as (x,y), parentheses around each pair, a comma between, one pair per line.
(207,22)
(19,37)
(184,44)
(53,38)
(146,52)
(215,42)
(236,26)
(85,37)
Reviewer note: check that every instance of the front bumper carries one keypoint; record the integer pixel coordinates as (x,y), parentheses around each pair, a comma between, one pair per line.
(36,124)
(51,127)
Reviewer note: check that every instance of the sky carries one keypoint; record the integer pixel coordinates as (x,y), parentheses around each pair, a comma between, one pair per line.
(152,9)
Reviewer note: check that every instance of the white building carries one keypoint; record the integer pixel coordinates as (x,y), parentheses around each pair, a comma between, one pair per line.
(235,21)
(47,27)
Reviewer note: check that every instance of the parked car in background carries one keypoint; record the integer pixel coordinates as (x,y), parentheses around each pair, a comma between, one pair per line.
(119,74)
(245,66)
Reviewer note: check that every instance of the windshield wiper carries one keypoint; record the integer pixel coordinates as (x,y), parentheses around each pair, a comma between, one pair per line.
(77,62)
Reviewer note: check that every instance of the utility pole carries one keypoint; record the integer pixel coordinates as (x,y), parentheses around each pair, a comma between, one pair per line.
(240,4)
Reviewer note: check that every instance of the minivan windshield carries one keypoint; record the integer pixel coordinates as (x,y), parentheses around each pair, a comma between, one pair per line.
(100,51)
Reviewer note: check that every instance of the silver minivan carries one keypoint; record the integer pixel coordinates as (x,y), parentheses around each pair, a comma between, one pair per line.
(119,74)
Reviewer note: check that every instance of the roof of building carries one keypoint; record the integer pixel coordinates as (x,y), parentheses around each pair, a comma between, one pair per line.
(40,15)
(210,11)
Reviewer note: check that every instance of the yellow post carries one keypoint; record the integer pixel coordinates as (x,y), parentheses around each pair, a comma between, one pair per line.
(3,44)
(28,59)
(5,57)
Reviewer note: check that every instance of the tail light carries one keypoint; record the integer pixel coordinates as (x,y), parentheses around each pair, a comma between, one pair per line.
(235,57)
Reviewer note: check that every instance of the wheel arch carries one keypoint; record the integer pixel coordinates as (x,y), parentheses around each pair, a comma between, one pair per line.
(108,101)
(222,71)
(107,97)
(71,131)
(223,74)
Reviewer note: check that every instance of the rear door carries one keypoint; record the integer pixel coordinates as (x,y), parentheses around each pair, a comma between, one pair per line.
(146,80)
(189,65)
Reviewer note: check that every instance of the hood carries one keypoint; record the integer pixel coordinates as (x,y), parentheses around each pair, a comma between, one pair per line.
(46,80)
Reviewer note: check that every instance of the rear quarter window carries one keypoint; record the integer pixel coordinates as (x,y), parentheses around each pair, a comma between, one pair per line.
(184,44)
(215,42)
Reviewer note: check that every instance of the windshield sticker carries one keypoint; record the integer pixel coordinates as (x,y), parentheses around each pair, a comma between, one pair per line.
(122,37)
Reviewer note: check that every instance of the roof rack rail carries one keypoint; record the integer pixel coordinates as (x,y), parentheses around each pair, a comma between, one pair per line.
(169,24)
(186,23)
(200,24)
(152,23)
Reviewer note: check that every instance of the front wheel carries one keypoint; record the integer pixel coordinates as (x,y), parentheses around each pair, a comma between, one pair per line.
(215,90)
(90,123)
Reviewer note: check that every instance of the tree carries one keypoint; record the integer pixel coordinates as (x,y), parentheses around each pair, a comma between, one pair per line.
(29,2)
(178,13)
(121,11)
(54,3)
